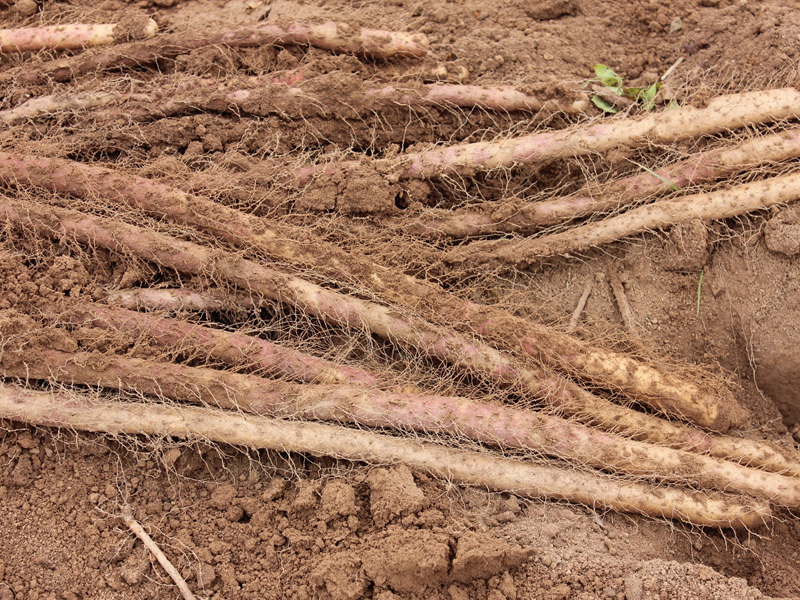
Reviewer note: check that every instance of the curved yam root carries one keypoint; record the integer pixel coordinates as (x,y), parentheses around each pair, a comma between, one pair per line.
(73,411)
(496,425)
(234,349)
(720,204)
(75,36)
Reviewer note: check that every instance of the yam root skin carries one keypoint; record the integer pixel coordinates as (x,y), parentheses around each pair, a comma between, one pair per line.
(234,349)
(720,204)
(525,217)
(73,411)
(488,423)
(336,37)
(73,36)
(712,408)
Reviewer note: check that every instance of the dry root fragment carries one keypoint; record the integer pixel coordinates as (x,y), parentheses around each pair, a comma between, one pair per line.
(720,204)
(513,215)
(75,36)
(138,530)
(74,411)
(492,424)
(715,409)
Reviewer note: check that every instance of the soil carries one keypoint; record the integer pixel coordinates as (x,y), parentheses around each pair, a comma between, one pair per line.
(250,524)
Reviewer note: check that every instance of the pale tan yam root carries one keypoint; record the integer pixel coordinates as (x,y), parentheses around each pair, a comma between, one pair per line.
(45,106)
(720,204)
(181,299)
(403,330)
(721,114)
(493,424)
(75,36)
(678,396)
(73,411)
(336,37)
(513,215)
(269,95)
(234,349)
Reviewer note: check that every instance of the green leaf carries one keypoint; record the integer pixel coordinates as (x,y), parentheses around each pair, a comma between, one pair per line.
(603,105)
(608,77)
(649,96)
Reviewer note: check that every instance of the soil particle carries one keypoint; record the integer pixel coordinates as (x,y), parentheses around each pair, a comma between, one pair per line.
(338,500)
(551,9)
(782,232)
(393,493)
(688,247)
(481,556)
(409,561)
(339,577)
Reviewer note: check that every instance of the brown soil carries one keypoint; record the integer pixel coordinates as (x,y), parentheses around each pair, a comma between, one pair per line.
(253,524)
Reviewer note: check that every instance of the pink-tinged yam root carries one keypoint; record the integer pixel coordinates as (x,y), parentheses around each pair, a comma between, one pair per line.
(492,424)
(707,206)
(468,354)
(674,395)
(721,114)
(79,412)
(74,36)
(336,37)
(233,349)
(524,217)
(182,299)
(285,95)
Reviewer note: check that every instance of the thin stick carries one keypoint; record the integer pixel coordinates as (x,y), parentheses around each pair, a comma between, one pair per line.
(576,315)
(75,411)
(138,530)
(622,301)
(720,204)
(75,36)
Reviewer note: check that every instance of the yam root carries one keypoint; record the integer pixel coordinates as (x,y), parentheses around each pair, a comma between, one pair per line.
(492,424)
(75,36)
(720,204)
(74,411)
(682,397)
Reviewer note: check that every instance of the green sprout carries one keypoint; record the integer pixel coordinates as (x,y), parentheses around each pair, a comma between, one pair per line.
(654,174)
(606,75)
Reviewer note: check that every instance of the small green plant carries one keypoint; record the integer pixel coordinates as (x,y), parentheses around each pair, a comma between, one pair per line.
(606,75)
